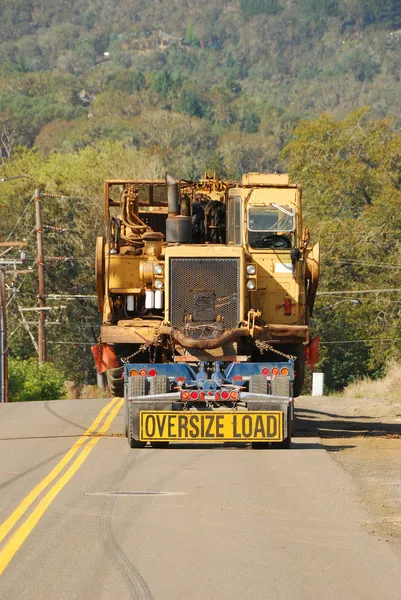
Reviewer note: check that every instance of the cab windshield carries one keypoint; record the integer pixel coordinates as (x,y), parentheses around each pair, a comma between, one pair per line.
(271,226)
(271,219)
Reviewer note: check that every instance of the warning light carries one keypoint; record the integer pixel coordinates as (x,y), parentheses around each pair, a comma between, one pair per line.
(275,371)
(133,372)
(185,395)
(142,372)
(284,371)
(234,395)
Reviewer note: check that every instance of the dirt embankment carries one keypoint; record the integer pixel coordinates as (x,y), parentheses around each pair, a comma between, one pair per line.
(364,436)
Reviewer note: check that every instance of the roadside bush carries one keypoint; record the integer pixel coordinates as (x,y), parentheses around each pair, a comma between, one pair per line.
(29,381)
(386,388)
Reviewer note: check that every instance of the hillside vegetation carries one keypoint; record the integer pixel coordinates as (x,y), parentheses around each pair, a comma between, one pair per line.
(95,90)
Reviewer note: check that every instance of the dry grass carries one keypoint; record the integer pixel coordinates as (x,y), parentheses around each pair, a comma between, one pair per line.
(75,391)
(388,388)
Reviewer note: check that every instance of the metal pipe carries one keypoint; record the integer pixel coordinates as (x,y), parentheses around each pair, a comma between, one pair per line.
(188,342)
(173,193)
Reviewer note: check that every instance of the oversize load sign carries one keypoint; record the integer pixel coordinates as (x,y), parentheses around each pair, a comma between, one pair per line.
(208,426)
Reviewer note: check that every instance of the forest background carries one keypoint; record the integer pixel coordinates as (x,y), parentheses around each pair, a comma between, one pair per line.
(93,90)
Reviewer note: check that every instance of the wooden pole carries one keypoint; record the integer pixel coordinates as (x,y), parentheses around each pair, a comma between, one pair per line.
(3,340)
(41,280)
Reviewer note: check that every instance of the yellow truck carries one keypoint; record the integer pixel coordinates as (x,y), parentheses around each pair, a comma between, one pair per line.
(206,290)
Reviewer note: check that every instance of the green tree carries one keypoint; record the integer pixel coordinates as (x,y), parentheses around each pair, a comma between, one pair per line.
(28,381)
(251,8)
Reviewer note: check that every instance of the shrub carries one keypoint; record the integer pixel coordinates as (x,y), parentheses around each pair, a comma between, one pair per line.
(29,381)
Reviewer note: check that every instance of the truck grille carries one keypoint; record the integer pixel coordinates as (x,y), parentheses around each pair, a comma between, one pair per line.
(205,288)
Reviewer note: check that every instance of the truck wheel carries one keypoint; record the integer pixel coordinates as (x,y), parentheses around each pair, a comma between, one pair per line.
(132,442)
(258,384)
(137,386)
(299,370)
(281,386)
(159,385)
(115,381)
(285,444)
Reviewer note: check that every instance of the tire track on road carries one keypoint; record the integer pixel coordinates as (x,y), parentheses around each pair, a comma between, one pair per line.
(137,585)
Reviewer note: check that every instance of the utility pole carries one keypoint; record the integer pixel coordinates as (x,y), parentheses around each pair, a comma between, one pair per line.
(41,276)
(3,340)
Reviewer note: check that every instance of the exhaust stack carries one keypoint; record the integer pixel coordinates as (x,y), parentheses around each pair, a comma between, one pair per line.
(178,227)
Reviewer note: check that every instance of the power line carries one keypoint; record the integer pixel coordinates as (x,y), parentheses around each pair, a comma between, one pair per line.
(340,293)
(20,217)
(361,341)
(358,262)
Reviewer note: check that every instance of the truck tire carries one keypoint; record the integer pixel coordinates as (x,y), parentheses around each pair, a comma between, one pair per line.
(132,442)
(115,381)
(299,370)
(159,385)
(281,386)
(137,386)
(258,384)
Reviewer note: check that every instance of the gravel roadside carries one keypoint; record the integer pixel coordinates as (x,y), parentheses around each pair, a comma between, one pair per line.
(364,437)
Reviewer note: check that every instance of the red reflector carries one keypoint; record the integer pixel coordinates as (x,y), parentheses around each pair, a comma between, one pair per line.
(225,395)
(202,396)
(210,393)
(284,371)
(237,378)
(287,306)
(185,395)
(152,373)
(142,372)
(194,395)
(275,371)
(265,371)
(234,395)
(217,396)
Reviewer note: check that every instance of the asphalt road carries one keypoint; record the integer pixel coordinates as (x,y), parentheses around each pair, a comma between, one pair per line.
(86,517)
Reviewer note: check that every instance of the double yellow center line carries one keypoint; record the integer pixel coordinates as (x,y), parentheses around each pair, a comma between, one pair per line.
(82,447)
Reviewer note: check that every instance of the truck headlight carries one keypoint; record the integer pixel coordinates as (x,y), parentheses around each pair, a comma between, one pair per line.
(158,269)
(251,269)
(158,284)
(251,284)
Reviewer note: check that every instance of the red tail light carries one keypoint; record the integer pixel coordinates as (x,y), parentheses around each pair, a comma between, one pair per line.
(152,372)
(194,395)
(225,395)
(265,371)
(217,396)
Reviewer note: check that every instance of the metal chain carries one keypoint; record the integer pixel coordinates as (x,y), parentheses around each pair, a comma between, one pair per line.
(142,348)
(263,346)
(100,349)
(148,346)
